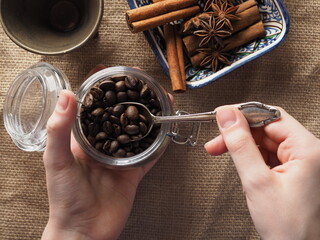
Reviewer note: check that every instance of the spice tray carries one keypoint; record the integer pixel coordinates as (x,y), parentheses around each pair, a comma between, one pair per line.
(276,22)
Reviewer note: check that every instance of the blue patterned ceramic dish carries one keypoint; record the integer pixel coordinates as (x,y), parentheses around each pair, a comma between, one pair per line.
(276,21)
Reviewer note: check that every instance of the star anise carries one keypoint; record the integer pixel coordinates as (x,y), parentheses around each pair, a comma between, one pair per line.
(194,23)
(215,57)
(225,13)
(212,31)
(209,3)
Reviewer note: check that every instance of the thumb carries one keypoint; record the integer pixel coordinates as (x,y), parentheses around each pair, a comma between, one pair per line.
(241,145)
(58,154)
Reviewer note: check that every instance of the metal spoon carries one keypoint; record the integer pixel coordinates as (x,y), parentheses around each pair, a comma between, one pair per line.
(256,113)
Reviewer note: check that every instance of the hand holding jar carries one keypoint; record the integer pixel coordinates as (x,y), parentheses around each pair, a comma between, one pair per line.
(279,167)
(86,199)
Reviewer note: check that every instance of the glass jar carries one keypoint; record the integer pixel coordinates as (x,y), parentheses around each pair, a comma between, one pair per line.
(30,102)
(32,97)
(162,140)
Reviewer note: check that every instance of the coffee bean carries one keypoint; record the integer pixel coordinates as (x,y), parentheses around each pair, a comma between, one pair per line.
(109,110)
(136,138)
(93,129)
(88,101)
(143,128)
(133,95)
(124,120)
(110,98)
(145,91)
(153,94)
(154,102)
(114,145)
(123,139)
(98,104)
(118,110)
(139,85)
(98,145)
(132,113)
(90,116)
(97,93)
(131,82)
(97,112)
(115,119)
(107,85)
(120,86)
(118,78)
(116,130)
(120,153)
(101,136)
(132,129)
(142,118)
(122,96)
(91,140)
(107,127)
(105,117)
(130,154)
(106,146)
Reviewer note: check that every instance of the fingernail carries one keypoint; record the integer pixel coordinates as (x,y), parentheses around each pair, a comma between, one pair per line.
(226,117)
(62,103)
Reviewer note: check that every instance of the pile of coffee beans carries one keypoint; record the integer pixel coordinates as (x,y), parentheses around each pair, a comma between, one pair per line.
(116,129)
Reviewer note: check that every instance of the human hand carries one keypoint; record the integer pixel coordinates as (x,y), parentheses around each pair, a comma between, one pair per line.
(279,167)
(86,200)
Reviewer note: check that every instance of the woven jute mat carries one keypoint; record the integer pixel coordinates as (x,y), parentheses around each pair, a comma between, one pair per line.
(188,194)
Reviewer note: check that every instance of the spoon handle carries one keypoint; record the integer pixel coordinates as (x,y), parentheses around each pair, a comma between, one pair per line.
(256,113)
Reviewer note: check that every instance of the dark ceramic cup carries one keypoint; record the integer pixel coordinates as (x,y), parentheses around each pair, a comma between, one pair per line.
(51,27)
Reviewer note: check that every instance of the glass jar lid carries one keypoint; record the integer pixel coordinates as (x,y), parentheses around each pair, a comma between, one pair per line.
(29,103)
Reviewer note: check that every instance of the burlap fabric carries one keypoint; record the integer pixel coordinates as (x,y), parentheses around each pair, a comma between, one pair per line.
(188,194)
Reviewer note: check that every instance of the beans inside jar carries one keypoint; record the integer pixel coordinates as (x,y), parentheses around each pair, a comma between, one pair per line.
(115,129)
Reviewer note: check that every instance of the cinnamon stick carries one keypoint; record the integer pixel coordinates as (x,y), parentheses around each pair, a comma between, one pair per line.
(179,46)
(245,5)
(177,81)
(156,9)
(160,13)
(237,40)
(248,17)
(253,32)
(153,22)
